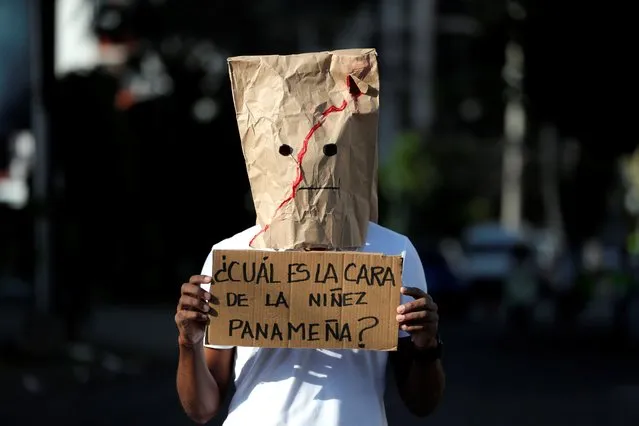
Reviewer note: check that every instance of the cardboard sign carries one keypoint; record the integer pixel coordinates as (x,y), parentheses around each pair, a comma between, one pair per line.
(332,300)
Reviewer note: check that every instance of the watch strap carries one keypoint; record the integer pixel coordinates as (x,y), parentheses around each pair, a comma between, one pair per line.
(429,355)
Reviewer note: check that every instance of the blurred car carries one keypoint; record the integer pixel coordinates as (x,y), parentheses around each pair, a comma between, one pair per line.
(489,261)
(488,252)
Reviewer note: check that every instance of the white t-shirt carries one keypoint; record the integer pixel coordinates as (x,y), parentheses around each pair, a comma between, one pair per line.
(306,387)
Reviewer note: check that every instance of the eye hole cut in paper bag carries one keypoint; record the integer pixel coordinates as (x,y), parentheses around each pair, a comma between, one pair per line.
(308,126)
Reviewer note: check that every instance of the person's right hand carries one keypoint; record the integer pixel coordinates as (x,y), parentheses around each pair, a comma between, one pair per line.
(193,311)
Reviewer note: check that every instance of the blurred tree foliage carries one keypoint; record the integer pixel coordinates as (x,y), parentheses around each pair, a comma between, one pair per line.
(409,172)
(468,190)
(435,185)
(630,171)
(407,179)
(562,87)
(577,79)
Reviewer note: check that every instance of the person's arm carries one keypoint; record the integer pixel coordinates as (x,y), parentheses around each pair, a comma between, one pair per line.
(420,383)
(203,378)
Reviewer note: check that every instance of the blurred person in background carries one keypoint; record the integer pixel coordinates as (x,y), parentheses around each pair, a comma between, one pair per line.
(16,249)
(14,72)
(521,289)
(91,156)
(605,289)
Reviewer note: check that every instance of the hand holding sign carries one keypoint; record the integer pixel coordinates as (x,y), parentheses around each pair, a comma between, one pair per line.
(419,317)
(193,311)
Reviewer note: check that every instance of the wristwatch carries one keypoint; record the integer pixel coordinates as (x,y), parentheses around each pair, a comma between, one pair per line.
(429,355)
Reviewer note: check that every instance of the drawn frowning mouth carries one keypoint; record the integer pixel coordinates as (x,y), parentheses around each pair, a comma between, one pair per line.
(311,188)
(334,187)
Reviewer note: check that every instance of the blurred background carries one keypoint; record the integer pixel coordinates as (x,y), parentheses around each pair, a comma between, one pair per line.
(506,154)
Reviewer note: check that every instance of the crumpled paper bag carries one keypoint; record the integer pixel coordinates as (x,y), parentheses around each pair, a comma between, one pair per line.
(308,125)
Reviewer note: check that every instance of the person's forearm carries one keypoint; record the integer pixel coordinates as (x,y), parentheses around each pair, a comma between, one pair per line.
(198,391)
(423,387)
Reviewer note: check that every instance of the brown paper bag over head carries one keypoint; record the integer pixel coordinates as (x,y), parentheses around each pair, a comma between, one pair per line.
(308,125)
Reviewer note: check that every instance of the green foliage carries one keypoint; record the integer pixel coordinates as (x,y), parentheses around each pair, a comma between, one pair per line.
(410,174)
(407,179)
(435,187)
(478,210)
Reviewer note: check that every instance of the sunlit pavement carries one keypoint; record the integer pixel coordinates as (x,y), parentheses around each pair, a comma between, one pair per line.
(488,384)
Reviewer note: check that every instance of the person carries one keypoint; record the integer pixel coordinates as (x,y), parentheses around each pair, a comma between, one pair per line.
(331,207)
(282,387)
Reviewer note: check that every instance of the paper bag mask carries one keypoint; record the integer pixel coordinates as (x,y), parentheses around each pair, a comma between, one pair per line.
(308,125)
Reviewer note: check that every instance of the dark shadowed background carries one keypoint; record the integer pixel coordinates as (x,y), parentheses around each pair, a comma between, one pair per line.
(506,154)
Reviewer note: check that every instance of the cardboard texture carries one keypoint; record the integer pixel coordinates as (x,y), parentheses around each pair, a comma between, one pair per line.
(308,126)
(300,299)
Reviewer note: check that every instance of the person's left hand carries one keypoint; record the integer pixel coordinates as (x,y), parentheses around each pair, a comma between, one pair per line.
(419,317)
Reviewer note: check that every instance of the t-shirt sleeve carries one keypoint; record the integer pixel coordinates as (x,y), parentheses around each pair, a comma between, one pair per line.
(207,270)
(413,275)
